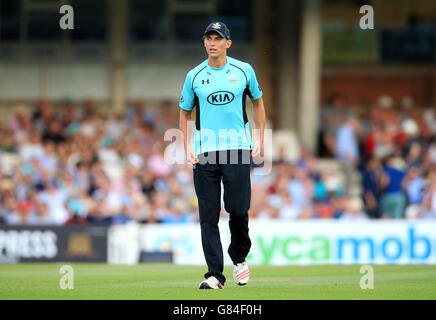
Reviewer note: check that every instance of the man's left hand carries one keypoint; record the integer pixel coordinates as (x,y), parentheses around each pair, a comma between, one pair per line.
(258,149)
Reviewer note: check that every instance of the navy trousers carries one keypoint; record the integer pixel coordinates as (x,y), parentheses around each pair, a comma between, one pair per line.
(232,167)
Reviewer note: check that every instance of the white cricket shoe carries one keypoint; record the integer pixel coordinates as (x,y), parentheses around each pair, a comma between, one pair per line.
(241,273)
(211,283)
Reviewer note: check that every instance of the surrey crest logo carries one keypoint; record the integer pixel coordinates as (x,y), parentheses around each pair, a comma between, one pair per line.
(233,78)
(216,25)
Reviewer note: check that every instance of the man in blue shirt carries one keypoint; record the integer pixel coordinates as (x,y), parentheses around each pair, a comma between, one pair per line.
(347,149)
(217,88)
(393,201)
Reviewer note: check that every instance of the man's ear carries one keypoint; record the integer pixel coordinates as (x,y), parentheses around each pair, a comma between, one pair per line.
(228,43)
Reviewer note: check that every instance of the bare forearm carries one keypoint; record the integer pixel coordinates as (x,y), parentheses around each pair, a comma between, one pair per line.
(185,116)
(259,116)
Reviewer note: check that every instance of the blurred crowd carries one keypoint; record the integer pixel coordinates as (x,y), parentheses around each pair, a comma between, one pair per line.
(63,163)
(66,164)
(393,148)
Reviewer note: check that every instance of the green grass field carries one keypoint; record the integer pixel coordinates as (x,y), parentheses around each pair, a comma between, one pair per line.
(167,282)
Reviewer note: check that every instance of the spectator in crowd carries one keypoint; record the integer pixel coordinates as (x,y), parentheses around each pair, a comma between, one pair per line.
(354,210)
(283,201)
(414,184)
(180,214)
(347,149)
(160,205)
(53,133)
(322,209)
(300,187)
(40,216)
(371,172)
(393,200)
(414,155)
(10,209)
(7,143)
(55,199)
(427,208)
(373,139)
(332,116)
(339,203)
(267,211)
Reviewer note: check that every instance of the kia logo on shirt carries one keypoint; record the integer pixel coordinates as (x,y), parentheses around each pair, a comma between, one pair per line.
(220,98)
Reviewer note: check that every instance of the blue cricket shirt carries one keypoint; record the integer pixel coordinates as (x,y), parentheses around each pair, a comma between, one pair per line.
(219,98)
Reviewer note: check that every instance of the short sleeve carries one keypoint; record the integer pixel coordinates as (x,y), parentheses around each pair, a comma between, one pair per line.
(187,96)
(253,85)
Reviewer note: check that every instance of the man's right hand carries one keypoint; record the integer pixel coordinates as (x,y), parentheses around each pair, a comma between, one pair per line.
(191,157)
